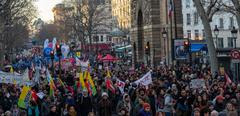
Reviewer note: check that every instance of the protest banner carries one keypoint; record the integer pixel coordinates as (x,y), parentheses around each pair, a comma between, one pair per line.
(145,80)
(197,83)
(13,78)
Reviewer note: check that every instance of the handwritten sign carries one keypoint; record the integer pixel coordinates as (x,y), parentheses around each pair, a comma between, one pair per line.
(197,83)
(145,80)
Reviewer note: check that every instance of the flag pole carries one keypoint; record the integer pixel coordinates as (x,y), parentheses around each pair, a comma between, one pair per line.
(171,33)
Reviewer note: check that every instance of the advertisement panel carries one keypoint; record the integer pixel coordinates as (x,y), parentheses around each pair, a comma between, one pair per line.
(179,51)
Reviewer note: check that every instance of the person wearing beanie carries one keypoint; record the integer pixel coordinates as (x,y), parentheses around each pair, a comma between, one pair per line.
(219,105)
(104,105)
(214,113)
(125,103)
(145,111)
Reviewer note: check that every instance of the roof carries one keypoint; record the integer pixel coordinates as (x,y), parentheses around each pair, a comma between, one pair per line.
(116,32)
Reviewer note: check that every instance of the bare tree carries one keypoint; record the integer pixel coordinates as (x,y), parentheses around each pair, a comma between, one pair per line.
(206,10)
(89,18)
(48,31)
(232,6)
(14,15)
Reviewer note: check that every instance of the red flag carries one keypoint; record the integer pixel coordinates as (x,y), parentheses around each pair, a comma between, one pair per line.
(227,79)
(34,96)
(109,85)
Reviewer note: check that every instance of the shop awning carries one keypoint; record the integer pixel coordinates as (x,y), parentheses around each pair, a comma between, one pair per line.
(197,47)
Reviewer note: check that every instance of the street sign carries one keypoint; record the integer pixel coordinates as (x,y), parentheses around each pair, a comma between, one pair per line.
(235,54)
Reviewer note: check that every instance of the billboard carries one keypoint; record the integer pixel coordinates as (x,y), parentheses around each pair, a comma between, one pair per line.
(179,51)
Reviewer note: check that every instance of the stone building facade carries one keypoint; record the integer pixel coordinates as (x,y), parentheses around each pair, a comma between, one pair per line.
(148,20)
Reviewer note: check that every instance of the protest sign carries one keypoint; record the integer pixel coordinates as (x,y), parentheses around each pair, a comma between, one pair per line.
(120,85)
(145,80)
(197,83)
(13,78)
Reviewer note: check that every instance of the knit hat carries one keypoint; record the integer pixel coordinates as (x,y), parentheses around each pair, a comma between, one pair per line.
(219,97)
(146,105)
(104,94)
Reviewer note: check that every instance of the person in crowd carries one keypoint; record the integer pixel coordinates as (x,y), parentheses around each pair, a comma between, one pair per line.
(125,104)
(53,111)
(72,111)
(104,105)
(85,104)
(145,111)
(229,110)
(182,107)
(138,106)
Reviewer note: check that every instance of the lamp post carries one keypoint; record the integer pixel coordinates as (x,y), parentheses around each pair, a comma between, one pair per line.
(147,52)
(234,36)
(59,54)
(164,35)
(52,58)
(216,32)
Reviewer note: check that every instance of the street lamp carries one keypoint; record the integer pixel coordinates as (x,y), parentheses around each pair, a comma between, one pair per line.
(164,35)
(234,35)
(216,32)
(52,58)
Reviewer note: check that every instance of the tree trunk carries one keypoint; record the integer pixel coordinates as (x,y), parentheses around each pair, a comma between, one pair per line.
(209,37)
(236,4)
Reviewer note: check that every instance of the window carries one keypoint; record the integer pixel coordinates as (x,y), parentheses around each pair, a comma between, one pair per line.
(221,24)
(189,34)
(187,3)
(188,19)
(101,38)
(196,18)
(96,39)
(109,38)
(220,42)
(230,42)
(203,34)
(196,34)
(231,21)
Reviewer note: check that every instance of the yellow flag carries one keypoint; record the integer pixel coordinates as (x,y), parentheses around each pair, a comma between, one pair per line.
(92,84)
(11,70)
(108,74)
(24,98)
(82,80)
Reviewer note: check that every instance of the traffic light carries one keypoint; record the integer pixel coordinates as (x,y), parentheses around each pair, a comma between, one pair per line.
(147,49)
(58,49)
(52,55)
(186,45)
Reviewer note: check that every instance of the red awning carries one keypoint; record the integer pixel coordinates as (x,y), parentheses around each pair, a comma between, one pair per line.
(109,58)
(99,46)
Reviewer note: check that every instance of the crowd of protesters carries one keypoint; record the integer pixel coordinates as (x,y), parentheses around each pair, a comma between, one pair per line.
(170,94)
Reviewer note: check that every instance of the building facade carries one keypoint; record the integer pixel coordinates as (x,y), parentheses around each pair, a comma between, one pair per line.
(193,27)
(224,41)
(122,11)
(149,19)
(61,14)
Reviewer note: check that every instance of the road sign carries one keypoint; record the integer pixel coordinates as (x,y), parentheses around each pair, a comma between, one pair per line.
(235,54)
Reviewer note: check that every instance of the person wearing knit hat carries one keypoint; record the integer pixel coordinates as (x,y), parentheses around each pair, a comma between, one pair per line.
(146,110)
(125,103)
(104,94)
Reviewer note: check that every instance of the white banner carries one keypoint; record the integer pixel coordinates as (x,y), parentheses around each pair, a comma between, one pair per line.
(145,80)
(197,83)
(84,65)
(121,85)
(11,78)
